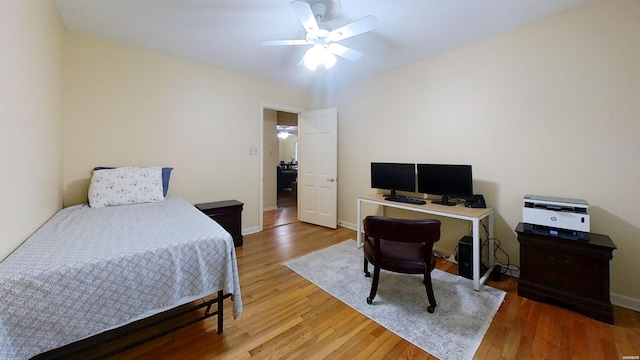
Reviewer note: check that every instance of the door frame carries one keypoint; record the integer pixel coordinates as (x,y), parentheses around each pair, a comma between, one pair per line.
(269,106)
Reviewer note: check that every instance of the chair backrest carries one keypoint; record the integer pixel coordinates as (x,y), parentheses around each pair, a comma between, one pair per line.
(402,230)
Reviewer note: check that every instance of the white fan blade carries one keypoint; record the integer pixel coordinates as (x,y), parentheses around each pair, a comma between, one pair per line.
(357,27)
(345,52)
(301,62)
(283,42)
(305,15)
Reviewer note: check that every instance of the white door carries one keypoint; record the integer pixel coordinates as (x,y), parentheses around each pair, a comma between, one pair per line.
(318,167)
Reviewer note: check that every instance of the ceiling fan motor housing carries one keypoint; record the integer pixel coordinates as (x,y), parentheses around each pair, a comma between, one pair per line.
(324,10)
(318,37)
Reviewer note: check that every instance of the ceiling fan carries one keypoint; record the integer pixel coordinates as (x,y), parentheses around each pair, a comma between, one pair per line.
(325,41)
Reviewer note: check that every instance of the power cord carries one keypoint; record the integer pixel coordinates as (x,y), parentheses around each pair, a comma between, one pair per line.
(505,268)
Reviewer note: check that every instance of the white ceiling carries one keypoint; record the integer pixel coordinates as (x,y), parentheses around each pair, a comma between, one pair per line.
(225,33)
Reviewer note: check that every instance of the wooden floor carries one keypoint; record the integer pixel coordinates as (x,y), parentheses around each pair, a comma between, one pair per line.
(286,213)
(285,316)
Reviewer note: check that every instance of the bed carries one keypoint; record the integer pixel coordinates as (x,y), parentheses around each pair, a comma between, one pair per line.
(88,270)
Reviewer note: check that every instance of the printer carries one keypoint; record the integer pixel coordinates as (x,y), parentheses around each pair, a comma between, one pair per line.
(562,217)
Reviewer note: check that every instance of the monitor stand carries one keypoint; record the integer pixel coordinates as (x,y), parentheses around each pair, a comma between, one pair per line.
(445,201)
(392,195)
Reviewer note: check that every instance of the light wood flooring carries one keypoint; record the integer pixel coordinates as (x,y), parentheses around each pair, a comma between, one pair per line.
(286,213)
(285,316)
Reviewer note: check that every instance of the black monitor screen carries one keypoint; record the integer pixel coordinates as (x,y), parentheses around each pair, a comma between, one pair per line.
(393,176)
(455,181)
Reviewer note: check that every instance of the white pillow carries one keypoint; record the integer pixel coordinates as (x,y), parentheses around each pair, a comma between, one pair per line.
(125,185)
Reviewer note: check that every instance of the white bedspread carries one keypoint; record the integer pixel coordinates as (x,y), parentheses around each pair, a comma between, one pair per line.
(87,270)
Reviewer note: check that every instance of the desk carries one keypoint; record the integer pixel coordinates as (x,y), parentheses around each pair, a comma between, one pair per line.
(455,212)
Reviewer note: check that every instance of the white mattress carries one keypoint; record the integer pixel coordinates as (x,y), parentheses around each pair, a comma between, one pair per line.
(87,270)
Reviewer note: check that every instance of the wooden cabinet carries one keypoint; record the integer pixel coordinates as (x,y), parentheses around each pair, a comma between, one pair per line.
(573,272)
(228,214)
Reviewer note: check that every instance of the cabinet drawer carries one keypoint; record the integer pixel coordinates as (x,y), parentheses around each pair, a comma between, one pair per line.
(540,257)
(564,282)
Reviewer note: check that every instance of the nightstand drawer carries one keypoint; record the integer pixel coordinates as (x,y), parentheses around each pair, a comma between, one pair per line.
(228,221)
(228,214)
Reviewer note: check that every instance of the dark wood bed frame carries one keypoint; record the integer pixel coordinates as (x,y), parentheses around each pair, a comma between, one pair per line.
(85,348)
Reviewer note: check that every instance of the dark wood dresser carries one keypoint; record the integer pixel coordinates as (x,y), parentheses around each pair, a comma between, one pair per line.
(228,214)
(573,272)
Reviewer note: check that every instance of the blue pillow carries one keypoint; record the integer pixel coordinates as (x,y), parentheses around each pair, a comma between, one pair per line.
(166,174)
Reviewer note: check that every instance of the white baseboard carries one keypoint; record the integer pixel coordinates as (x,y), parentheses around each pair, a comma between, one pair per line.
(251,230)
(625,302)
(270,208)
(347,225)
(444,252)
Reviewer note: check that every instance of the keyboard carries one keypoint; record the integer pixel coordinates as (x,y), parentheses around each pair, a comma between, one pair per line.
(406,200)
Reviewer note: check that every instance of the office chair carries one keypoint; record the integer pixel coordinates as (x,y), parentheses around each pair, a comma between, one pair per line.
(402,246)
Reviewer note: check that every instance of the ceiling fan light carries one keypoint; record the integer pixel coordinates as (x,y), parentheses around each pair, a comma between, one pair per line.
(328,59)
(317,55)
(313,57)
(310,63)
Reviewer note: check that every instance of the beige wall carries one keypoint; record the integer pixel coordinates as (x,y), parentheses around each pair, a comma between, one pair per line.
(30,119)
(550,109)
(126,106)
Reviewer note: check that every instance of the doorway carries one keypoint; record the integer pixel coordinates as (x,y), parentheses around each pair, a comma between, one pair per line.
(287,168)
(316,184)
(279,167)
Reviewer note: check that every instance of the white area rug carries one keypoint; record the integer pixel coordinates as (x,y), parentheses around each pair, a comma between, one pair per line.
(454,331)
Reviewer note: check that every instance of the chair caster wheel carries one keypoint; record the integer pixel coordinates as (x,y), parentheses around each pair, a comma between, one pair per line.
(369,300)
(431,309)
(367,274)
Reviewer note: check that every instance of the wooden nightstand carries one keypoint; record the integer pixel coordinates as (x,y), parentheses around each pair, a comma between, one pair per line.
(228,214)
(574,272)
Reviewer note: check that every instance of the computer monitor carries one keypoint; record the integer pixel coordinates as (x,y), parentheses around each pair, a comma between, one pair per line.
(446,180)
(393,176)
